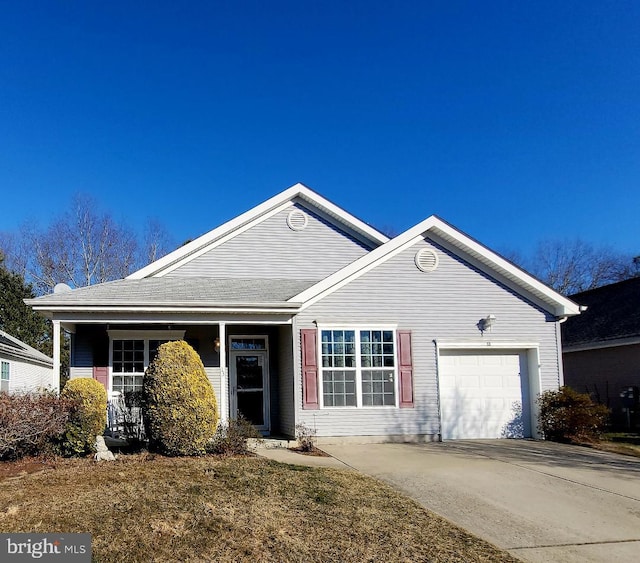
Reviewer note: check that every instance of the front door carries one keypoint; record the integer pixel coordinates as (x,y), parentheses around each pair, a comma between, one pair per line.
(249,377)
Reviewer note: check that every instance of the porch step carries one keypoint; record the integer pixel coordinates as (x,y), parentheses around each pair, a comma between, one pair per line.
(271,443)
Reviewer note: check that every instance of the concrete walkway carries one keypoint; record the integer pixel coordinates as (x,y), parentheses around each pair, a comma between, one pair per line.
(542,502)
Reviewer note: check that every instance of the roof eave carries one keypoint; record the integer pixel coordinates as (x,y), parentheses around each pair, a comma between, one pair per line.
(283,307)
(557,304)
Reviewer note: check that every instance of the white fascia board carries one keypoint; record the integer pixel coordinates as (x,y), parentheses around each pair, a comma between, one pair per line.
(279,201)
(345,217)
(177,318)
(363,264)
(216,233)
(563,305)
(560,304)
(288,308)
(222,239)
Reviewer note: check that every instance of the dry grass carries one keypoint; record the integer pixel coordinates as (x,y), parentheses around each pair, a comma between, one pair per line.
(144,508)
(617,448)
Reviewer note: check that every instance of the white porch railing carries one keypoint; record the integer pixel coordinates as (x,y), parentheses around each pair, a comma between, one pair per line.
(124,421)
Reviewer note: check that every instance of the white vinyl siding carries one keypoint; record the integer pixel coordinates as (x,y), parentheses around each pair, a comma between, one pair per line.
(445,304)
(22,375)
(272,250)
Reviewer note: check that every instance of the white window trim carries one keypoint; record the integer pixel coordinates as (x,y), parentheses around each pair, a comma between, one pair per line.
(144,335)
(8,370)
(357,327)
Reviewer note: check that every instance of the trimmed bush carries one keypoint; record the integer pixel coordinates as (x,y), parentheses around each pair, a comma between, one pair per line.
(88,417)
(31,422)
(569,416)
(180,409)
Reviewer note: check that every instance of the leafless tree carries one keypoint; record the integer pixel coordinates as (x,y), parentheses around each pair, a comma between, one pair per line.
(82,247)
(156,242)
(572,266)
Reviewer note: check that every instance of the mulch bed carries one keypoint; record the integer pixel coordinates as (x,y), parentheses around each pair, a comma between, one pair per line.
(314,452)
(24,466)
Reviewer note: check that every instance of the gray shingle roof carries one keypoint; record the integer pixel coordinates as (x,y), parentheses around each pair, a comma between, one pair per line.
(11,346)
(194,291)
(613,312)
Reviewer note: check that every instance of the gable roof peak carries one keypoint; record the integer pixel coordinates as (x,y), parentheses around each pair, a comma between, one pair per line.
(362,230)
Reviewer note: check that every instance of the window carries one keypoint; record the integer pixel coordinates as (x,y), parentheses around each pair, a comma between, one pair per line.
(248,343)
(358,368)
(128,365)
(131,354)
(4,371)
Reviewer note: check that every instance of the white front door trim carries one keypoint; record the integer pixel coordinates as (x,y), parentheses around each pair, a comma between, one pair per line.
(233,377)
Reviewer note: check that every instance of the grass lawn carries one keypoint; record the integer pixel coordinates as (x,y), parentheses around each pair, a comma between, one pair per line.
(620,443)
(146,508)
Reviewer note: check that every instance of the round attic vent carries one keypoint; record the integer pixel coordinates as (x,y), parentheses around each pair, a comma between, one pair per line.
(426,260)
(297,220)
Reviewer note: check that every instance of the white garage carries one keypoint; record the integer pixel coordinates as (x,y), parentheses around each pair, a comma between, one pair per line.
(484,393)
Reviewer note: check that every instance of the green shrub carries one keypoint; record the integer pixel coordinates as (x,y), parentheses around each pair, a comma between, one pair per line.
(180,410)
(569,416)
(31,423)
(232,438)
(88,417)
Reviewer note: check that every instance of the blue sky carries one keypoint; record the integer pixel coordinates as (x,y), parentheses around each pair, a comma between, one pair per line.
(515,121)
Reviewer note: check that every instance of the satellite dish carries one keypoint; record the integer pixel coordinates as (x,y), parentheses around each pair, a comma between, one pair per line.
(61,288)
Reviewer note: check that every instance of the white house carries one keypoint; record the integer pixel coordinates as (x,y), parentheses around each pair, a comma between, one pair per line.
(303,313)
(23,368)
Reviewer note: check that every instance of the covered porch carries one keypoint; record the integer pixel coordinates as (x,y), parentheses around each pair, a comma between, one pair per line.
(249,364)
(241,328)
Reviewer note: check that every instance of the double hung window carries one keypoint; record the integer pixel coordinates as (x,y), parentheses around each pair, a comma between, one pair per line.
(5,369)
(131,355)
(358,367)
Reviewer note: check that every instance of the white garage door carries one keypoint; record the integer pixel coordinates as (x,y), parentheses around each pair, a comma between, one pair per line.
(484,394)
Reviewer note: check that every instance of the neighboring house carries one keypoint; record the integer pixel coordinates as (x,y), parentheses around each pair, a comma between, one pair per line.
(601,347)
(23,368)
(302,313)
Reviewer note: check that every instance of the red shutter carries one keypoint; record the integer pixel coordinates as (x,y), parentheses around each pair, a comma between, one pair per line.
(102,376)
(309,368)
(405,368)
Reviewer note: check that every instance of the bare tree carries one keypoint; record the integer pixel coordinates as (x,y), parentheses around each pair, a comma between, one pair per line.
(572,266)
(156,242)
(82,247)
(14,253)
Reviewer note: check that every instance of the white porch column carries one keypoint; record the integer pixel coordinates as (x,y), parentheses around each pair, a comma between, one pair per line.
(224,397)
(56,356)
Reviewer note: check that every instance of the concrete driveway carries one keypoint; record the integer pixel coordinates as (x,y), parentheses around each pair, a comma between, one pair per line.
(540,501)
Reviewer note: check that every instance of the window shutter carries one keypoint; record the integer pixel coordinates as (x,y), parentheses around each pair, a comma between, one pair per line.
(405,368)
(309,368)
(101,375)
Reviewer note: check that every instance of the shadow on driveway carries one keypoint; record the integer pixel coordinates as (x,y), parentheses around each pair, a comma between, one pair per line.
(540,500)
